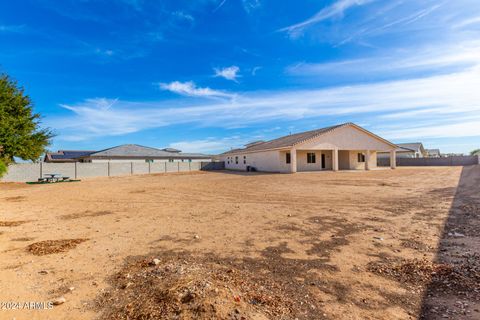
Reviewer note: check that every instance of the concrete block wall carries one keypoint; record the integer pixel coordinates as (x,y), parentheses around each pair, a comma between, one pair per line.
(447,161)
(23,172)
(85,170)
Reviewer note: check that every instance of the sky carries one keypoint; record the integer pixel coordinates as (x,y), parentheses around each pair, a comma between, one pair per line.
(210,75)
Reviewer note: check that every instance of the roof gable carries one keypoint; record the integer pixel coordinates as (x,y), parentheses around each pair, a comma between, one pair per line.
(302,137)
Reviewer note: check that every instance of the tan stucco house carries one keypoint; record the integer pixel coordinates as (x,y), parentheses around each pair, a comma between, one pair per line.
(341,147)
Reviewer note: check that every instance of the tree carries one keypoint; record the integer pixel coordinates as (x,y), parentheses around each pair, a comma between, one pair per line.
(475,152)
(20,133)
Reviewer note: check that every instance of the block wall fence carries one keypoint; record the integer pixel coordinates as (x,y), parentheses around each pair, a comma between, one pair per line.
(23,172)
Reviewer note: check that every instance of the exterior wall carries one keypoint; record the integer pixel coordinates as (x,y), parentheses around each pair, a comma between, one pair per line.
(143,160)
(141,168)
(85,170)
(65,169)
(120,169)
(346,138)
(302,163)
(267,161)
(355,165)
(24,172)
(344,160)
(400,154)
(446,161)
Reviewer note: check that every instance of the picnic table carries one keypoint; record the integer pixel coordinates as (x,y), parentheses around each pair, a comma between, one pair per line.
(52,177)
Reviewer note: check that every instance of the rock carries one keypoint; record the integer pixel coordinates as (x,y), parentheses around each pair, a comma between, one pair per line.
(378,238)
(156,262)
(59,301)
(196,236)
(71,289)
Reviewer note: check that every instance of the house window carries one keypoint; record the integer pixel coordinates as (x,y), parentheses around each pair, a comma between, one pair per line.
(149,160)
(311,157)
(361,157)
(244,159)
(287,159)
(170,160)
(236,160)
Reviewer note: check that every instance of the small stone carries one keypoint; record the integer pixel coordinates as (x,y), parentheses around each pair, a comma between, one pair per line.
(71,289)
(196,236)
(156,261)
(43,271)
(59,301)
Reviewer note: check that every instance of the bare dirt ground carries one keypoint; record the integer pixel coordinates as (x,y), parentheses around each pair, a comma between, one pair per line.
(401,244)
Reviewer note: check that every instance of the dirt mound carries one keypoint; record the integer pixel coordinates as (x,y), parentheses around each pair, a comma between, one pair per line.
(53,246)
(180,287)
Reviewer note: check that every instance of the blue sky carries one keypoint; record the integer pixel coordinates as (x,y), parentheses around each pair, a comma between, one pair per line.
(208,75)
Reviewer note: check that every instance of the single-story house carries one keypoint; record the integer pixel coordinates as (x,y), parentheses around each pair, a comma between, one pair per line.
(433,153)
(62,156)
(342,147)
(126,153)
(407,150)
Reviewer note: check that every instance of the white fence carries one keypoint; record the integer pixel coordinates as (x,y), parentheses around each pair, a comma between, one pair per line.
(22,172)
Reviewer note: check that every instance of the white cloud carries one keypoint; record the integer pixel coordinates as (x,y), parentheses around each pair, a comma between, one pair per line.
(453,99)
(229,73)
(189,88)
(436,58)
(334,10)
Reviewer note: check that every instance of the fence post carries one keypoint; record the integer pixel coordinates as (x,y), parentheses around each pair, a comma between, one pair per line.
(189,166)
(41,169)
(178,166)
(75,164)
(108,168)
(149,171)
(165,165)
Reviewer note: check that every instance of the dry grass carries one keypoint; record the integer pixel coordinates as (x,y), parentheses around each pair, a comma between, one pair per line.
(53,246)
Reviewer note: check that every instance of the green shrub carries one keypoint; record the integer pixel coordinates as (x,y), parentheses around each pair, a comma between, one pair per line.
(3,168)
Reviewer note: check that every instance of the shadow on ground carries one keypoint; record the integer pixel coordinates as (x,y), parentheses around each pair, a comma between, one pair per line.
(458,295)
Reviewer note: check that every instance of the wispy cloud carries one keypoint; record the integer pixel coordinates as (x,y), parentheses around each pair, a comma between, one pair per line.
(190,89)
(455,98)
(437,59)
(251,5)
(229,73)
(334,10)
(12,28)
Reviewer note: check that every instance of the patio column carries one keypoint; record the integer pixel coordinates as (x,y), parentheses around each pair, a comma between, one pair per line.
(367,160)
(393,159)
(293,160)
(335,159)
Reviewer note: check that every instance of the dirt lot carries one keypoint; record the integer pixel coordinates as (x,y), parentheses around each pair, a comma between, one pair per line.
(347,245)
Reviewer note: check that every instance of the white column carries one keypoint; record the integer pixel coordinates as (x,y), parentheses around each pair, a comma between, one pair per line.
(293,160)
(393,159)
(335,159)
(367,160)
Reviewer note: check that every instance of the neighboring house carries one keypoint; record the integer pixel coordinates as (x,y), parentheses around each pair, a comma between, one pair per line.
(433,153)
(65,155)
(342,147)
(127,153)
(407,150)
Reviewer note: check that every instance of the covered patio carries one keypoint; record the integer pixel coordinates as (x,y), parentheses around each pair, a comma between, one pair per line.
(302,160)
